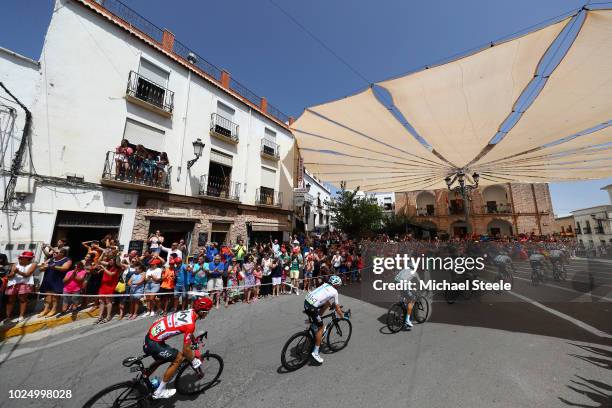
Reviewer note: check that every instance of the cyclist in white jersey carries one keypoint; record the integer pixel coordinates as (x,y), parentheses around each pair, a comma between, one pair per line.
(315,305)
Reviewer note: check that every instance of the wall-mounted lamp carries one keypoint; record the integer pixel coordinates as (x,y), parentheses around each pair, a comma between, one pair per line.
(198,146)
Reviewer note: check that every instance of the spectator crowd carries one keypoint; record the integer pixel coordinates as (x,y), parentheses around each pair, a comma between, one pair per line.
(164,279)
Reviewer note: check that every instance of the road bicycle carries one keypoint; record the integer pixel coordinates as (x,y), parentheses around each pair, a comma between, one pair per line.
(396,315)
(505,274)
(297,349)
(137,393)
(558,270)
(537,273)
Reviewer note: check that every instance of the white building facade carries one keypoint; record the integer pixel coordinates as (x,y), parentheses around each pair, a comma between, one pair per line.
(594,225)
(106,75)
(316,215)
(386,201)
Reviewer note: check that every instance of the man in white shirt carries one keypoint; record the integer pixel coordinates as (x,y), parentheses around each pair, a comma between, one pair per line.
(172,252)
(316,304)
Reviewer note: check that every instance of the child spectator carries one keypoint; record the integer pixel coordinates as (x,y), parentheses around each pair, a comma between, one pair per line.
(73,284)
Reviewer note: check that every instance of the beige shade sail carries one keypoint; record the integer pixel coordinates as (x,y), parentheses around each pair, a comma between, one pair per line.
(577,96)
(459,107)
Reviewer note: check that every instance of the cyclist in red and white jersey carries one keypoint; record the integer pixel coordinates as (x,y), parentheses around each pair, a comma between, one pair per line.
(183,322)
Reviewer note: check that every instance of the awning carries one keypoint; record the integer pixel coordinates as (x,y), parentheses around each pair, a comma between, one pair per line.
(536,108)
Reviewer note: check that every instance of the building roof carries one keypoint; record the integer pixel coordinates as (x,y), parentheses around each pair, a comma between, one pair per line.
(163,41)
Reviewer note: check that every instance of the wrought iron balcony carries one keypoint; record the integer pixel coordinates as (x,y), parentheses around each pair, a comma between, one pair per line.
(578,231)
(223,128)
(149,95)
(497,208)
(269,149)
(265,196)
(587,230)
(135,174)
(426,212)
(599,230)
(219,187)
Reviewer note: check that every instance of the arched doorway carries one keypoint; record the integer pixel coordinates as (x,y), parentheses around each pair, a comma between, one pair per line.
(460,229)
(426,204)
(499,228)
(495,199)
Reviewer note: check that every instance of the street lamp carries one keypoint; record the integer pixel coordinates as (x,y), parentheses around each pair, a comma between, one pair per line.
(198,146)
(464,187)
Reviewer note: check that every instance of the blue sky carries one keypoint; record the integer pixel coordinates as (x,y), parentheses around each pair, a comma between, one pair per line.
(270,54)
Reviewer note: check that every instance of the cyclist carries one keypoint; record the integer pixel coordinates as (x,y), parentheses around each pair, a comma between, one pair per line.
(174,324)
(503,261)
(315,305)
(536,259)
(556,258)
(408,296)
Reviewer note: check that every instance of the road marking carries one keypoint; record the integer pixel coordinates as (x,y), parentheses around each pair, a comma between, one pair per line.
(569,290)
(570,319)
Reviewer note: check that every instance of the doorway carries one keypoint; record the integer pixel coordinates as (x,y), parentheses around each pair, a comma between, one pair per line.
(172,230)
(76,227)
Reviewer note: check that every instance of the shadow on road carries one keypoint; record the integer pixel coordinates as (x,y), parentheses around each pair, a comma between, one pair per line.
(598,392)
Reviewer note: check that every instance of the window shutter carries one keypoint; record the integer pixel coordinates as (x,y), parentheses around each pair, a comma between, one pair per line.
(225,111)
(138,133)
(221,158)
(153,73)
(268,178)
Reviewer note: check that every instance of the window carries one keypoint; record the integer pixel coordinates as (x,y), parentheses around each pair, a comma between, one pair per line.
(138,133)
(153,73)
(270,135)
(220,175)
(152,83)
(268,178)
(225,111)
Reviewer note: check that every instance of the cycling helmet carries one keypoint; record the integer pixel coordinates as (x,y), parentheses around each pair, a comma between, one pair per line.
(335,280)
(202,304)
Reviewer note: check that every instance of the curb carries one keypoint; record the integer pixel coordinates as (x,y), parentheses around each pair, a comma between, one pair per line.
(37,324)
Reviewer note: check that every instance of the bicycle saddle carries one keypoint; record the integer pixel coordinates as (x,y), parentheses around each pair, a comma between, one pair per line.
(130,361)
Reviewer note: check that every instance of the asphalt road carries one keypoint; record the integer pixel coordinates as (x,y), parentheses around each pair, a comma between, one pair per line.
(535,347)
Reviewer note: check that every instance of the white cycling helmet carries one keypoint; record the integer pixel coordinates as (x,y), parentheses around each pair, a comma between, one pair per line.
(335,280)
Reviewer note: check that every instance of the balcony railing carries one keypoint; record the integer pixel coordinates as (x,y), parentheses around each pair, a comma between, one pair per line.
(268,197)
(426,212)
(269,149)
(599,230)
(578,231)
(587,230)
(126,171)
(219,187)
(497,208)
(223,128)
(145,90)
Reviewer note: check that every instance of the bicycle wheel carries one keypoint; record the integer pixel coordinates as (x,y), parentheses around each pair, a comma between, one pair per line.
(126,394)
(395,317)
(297,350)
(338,334)
(507,277)
(420,310)
(189,381)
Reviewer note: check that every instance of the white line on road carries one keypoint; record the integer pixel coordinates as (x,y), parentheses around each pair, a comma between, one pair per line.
(570,319)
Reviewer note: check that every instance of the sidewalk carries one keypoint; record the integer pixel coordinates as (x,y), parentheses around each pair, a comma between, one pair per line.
(33,324)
